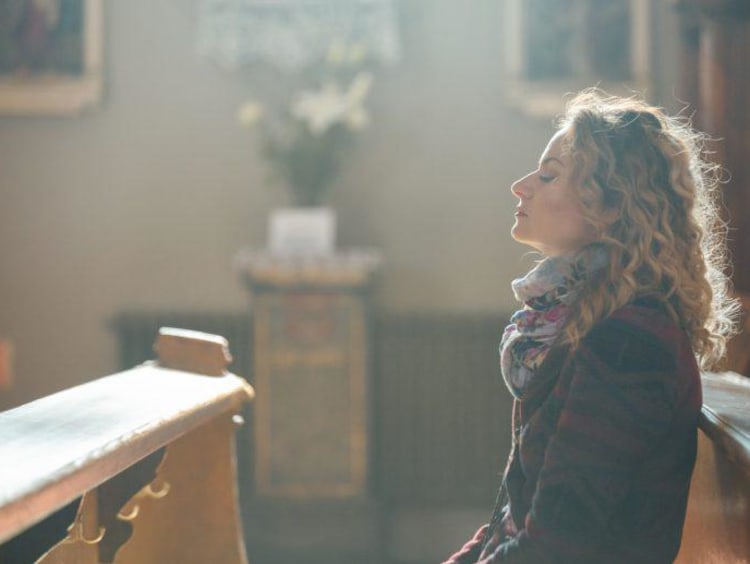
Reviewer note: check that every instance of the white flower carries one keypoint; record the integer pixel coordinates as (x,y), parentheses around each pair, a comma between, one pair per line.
(360,87)
(250,113)
(356,54)
(336,53)
(321,109)
(357,118)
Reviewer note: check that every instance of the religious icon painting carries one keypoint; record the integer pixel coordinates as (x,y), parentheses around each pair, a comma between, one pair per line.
(50,56)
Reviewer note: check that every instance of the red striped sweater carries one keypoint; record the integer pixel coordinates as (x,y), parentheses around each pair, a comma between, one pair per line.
(606,449)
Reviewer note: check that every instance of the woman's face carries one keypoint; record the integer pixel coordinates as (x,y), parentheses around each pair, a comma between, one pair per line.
(549,217)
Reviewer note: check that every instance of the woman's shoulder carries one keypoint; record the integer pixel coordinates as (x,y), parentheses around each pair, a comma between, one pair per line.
(645,313)
(640,351)
(640,335)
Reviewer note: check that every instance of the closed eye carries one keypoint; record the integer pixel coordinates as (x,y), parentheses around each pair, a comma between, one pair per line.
(546,179)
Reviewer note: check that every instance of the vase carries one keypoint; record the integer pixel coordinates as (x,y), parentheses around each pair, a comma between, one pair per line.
(302,231)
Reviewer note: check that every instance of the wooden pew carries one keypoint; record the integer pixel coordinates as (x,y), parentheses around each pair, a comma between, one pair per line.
(149,453)
(717,528)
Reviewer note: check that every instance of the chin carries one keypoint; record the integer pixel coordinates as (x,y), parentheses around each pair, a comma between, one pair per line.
(517,233)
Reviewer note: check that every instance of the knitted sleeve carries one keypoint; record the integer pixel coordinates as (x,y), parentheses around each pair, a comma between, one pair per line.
(469,553)
(615,407)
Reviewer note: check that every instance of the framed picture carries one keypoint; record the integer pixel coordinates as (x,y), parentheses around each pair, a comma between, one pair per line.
(50,56)
(555,47)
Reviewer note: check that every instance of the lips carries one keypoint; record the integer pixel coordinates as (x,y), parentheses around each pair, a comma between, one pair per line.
(520,213)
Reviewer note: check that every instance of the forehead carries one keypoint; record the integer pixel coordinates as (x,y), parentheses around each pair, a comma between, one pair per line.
(557,147)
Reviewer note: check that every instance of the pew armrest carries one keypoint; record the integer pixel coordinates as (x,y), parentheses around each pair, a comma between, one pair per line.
(64,446)
(725,417)
(717,526)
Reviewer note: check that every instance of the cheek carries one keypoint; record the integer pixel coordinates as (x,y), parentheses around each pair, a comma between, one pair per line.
(563,206)
(568,216)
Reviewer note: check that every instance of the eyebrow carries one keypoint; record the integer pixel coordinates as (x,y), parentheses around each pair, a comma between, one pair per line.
(548,159)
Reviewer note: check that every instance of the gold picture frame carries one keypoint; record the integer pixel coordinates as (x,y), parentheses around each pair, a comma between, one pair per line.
(33,86)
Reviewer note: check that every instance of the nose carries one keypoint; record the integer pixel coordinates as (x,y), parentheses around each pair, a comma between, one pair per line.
(520,188)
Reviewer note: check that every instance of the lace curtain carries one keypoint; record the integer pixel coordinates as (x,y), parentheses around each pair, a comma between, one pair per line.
(291,34)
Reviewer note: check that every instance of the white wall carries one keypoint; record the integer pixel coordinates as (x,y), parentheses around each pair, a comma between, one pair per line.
(142,202)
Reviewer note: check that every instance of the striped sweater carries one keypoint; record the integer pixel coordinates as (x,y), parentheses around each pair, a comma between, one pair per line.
(606,447)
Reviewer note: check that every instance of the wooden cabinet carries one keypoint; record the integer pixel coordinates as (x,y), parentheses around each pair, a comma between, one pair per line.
(312,417)
(311,434)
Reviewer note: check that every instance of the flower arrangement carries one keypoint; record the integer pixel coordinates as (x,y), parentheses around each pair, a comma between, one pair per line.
(306,138)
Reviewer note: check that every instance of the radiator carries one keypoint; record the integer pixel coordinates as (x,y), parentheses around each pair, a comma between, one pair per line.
(441,418)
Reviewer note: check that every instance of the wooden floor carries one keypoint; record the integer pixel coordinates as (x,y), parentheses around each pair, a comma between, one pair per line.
(405,535)
(328,559)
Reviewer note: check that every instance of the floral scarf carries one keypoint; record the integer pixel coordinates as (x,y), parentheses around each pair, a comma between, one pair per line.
(546,292)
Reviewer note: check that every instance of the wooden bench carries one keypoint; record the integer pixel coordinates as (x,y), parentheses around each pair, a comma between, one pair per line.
(148,453)
(717,528)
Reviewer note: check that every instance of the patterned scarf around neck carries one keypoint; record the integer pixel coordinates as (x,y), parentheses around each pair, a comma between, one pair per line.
(546,292)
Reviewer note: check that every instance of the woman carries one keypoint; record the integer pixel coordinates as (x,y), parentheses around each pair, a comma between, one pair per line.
(603,358)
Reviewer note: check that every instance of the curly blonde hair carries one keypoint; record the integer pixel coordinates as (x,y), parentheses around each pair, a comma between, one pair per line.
(650,196)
